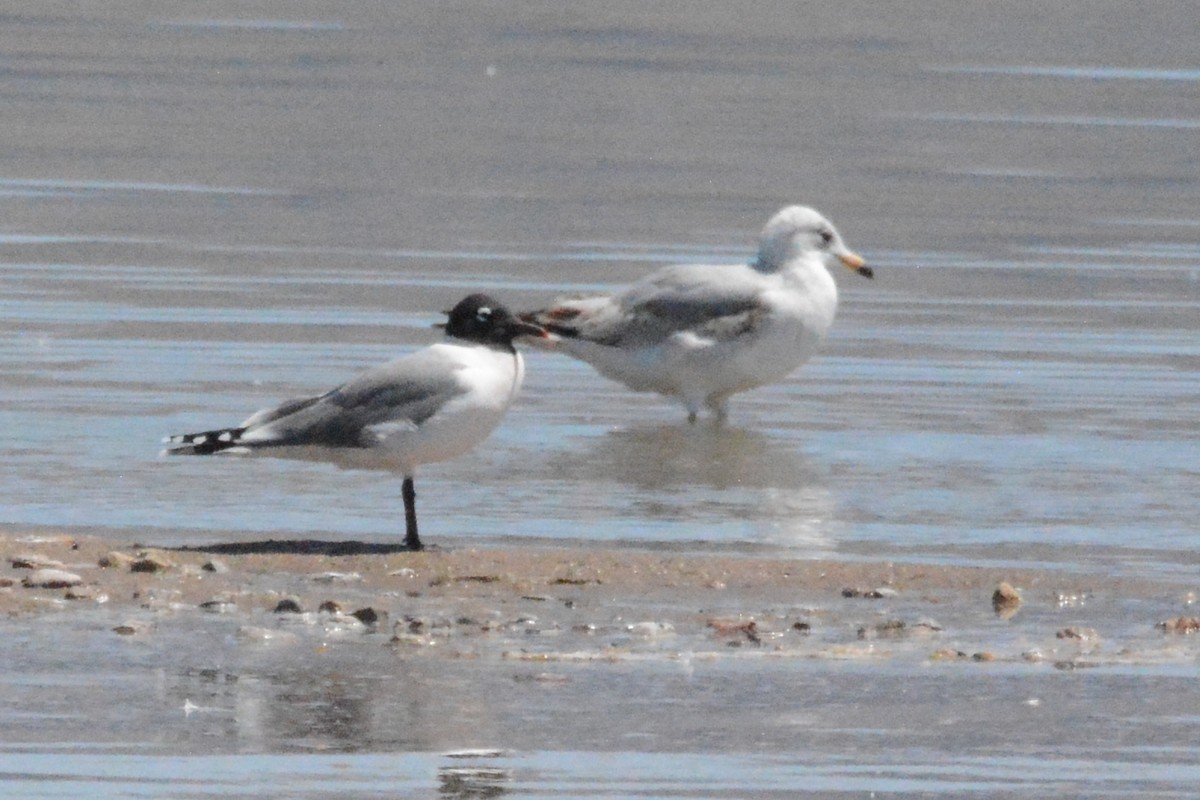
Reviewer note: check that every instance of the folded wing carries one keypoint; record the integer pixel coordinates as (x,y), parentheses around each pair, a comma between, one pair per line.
(406,391)
(714,302)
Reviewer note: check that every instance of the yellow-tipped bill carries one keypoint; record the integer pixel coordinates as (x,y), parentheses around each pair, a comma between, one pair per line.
(856,263)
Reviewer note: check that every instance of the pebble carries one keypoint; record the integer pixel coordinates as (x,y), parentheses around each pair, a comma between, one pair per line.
(86,593)
(1080,634)
(368,616)
(736,627)
(132,628)
(219,605)
(1006,600)
(116,560)
(34,561)
(215,565)
(329,607)
(880,593)
(151,562)
(51,579)
(892,629)
(288,605)
(1183,625)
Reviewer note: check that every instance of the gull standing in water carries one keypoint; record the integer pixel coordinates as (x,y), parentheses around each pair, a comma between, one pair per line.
(432,405)
(700,332)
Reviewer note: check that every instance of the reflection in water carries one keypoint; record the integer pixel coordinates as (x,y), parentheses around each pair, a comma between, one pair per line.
(357,701)
(467,782)
(670,456)
(707,474)
(650,458)
(331,711)
(734,484)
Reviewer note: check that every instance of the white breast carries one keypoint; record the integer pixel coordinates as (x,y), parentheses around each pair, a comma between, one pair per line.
(489,379)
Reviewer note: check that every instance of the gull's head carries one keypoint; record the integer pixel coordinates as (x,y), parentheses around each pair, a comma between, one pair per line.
(481,318)
(799,232)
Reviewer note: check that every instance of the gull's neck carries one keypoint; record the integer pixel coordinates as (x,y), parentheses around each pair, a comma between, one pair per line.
(500,347)
(772,262)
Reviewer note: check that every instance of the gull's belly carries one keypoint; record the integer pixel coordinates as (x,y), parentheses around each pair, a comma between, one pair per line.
(450,433)
(462,423)
(753,360)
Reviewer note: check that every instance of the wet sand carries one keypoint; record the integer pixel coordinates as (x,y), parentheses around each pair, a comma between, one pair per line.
(550,603)
(526,669)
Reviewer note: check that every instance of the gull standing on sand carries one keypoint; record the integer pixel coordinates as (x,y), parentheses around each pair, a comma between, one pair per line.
(432,405)
(703,332)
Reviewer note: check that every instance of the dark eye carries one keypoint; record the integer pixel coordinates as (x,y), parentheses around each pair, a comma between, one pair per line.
(827,236)
(483,314)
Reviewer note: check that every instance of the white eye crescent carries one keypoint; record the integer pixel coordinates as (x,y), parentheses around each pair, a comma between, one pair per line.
(483,314)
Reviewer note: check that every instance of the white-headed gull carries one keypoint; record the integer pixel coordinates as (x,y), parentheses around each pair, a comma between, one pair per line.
(703,332)
(432,405)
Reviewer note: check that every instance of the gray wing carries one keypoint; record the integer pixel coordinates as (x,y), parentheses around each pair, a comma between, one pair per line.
(716,302)
(408,390)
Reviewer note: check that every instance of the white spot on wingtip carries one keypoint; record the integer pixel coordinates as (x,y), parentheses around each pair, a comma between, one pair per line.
(200,440)
(227,436)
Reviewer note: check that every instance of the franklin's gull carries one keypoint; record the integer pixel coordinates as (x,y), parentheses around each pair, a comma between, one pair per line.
(432,405)
(702,332)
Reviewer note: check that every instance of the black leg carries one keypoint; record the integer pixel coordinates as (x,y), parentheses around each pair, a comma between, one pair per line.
(410,515)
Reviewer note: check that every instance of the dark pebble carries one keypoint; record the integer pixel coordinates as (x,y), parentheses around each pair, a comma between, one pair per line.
(288,605)
(367,616)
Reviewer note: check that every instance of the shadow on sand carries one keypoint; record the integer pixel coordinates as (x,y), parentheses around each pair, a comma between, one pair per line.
(304,547)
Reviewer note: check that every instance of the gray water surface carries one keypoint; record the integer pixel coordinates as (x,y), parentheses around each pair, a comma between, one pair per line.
(207,209)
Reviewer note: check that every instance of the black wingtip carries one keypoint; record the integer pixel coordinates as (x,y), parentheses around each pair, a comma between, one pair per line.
(205,443)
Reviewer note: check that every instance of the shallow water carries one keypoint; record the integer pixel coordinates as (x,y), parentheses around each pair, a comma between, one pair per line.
(203,212)
(194,711)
